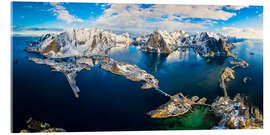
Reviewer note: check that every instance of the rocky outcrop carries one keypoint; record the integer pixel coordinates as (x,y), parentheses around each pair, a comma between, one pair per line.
(227,74)
(146,86)
(176,106)
(225,77)
(245,79)
(157,43)
(213,45)
(195,98)
(238,62)
(53,46)
(39,126)
(161,41)
(202,100)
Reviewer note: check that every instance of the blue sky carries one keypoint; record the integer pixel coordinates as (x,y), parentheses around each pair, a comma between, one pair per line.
(36,18)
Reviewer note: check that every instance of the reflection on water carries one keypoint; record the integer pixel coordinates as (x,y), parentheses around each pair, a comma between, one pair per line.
(179,55)
(111,102)
(154,61)
(187,71)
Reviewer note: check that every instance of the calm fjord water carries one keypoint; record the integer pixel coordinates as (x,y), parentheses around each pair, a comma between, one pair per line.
(109,102)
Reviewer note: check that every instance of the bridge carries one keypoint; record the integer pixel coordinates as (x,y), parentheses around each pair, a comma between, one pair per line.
(162,92)
(155,86)
(197,46)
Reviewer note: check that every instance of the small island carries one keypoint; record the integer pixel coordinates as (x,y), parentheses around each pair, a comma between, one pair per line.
(71,51)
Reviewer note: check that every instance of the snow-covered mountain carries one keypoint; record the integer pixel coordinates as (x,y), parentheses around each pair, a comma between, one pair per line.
(161,41)
(202,36)
(81,42)
(93,41)
(205,43)
(212,44)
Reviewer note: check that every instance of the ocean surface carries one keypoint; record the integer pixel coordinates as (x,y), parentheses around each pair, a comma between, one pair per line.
(109,102)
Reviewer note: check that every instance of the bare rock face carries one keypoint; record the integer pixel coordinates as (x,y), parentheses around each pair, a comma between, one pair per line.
(53,47)
(236,113)
(223,48)
(161,41)
(219,47)
(213,44)
(157,43)
(206,44)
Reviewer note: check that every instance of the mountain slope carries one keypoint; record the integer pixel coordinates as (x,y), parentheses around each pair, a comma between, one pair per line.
(161,41)
(81,42)
(206,44)
(212,44)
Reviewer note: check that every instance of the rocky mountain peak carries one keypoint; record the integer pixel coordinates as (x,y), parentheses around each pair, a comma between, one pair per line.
(79,42)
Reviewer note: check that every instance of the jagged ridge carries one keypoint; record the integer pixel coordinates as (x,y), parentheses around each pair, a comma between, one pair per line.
(81,42)
(206,44)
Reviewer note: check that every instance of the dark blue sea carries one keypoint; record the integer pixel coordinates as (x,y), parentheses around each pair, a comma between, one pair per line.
(110,102)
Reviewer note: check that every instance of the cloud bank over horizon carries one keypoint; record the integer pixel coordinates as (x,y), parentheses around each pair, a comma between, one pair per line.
(138,18)
(247,33)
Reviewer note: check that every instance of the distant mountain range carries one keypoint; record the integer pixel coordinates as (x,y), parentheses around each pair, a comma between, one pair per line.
(81,42)
(204,43)
(94,41)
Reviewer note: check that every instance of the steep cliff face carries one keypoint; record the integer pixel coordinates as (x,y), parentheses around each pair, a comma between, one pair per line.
(219,47)
(157,43)
(206,44)
(213,45)
(81,42)
(90,42)
(161,41)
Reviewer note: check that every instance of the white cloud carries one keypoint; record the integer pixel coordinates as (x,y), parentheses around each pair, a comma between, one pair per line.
(62,14)
(194,11)
(235,7)
(19,30)
(242,32)
(32,33)
(168,17)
